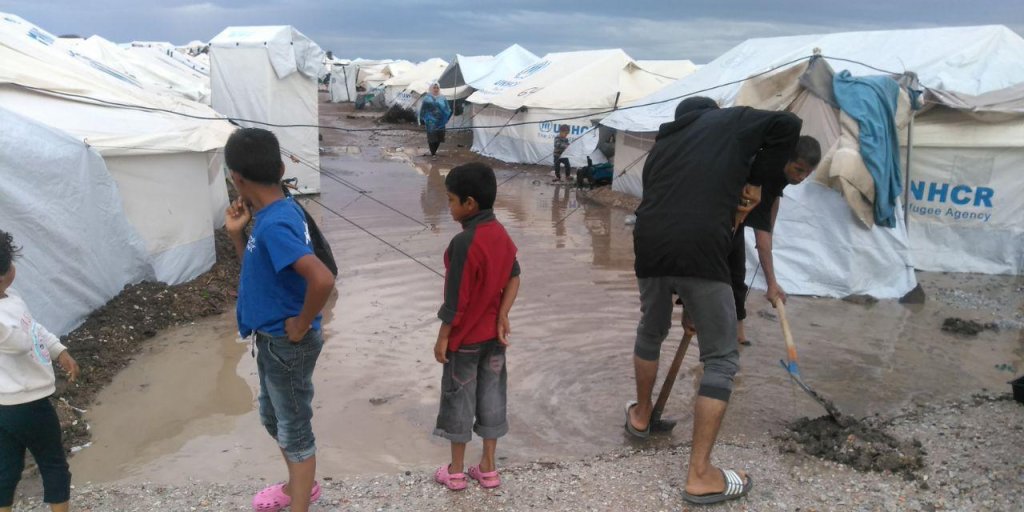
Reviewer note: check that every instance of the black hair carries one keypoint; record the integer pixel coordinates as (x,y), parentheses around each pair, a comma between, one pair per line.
(7,252)
(476,180)
(563,128)
(694,103)
(255,154)
(808,150)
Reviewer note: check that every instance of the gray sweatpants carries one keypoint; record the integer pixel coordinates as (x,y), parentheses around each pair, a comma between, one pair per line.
(711,305)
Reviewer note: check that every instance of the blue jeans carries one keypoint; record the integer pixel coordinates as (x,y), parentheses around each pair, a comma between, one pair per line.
(286,390)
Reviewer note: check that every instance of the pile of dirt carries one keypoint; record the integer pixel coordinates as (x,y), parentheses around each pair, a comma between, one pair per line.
(108,339)
(397,114)
(967,327)
(855,443)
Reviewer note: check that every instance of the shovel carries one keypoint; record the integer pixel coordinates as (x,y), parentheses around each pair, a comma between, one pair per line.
(659,424)
(794,370)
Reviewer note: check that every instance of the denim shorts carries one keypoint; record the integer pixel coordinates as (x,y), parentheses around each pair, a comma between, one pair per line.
(473,393)
(286,390)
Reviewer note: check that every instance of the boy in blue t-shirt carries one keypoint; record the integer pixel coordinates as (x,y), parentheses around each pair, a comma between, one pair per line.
(281,291)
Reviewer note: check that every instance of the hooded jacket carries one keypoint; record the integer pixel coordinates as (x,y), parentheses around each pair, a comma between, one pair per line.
(26,351)
(692,181)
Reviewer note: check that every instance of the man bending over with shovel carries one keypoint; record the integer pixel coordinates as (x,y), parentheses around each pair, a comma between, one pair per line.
(693,180)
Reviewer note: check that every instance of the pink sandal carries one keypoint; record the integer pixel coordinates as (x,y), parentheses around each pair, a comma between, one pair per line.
(453,481)
(273,498)
(488,480)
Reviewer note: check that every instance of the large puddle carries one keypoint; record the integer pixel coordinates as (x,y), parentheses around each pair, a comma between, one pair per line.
(186,407)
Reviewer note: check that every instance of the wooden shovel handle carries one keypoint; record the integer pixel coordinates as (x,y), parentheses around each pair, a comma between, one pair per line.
(786,333)
(670,377)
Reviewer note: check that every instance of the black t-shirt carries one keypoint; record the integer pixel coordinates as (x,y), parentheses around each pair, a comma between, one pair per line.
(760,217)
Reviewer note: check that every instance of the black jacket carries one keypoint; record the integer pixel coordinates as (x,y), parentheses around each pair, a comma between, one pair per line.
(692,182)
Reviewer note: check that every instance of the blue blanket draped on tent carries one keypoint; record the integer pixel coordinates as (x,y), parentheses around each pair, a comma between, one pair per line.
(871,101)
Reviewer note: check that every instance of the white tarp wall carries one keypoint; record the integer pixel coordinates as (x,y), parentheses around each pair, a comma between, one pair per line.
(269,74)
(630,155)
(64,210)
(151,155)
(533,142)
(966,193)
(820,248)
(343,82)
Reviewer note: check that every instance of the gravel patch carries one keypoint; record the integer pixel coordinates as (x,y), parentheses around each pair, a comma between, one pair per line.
(973,462)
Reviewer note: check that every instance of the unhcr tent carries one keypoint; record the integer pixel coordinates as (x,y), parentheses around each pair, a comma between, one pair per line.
(465,75)
(163,159)
(405,89)
(823,246)
(269,75)
(63,208)
(510,114)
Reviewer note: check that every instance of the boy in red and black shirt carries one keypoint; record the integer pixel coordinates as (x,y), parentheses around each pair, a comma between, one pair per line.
(481,282)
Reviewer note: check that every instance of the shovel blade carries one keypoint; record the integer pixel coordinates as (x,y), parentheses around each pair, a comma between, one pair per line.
(794,373)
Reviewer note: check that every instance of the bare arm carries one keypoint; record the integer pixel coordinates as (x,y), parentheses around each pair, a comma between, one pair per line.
(319,284)
(508,297)
(764,255)
(441,347)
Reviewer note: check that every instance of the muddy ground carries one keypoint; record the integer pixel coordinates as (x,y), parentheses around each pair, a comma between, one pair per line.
(110,337)
(567,449)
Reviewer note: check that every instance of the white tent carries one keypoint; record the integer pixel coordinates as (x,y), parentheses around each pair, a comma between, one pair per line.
(63,208)
(670,69)
(343,81)
(465,75)
(468,74)
(269,75)
(405,89)
(151,67)
(573,88)
(373,74)
(968,61)
(165,164)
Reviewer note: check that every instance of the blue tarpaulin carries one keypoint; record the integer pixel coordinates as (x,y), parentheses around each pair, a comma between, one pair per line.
(871,101)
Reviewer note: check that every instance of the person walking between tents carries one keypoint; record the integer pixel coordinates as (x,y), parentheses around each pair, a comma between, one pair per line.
(693,182)
(434,114)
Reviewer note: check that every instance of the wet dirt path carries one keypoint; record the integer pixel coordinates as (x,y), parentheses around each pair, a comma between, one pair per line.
(186,408)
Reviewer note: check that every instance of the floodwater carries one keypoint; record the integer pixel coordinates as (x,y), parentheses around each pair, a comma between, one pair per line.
(186,406)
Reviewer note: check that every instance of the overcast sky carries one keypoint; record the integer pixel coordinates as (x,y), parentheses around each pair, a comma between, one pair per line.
(698,30)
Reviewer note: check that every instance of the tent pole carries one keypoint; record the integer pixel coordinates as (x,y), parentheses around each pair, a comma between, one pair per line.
(906,173)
